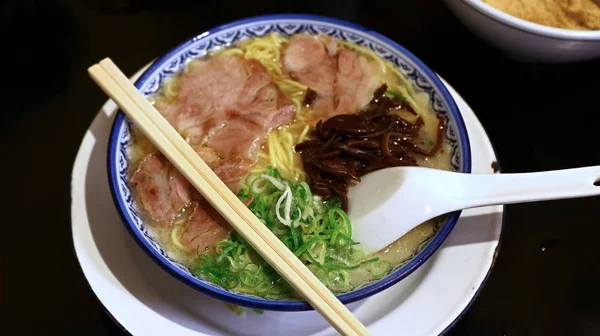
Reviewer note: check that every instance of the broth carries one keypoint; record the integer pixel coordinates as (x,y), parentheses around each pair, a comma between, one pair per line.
(278,152)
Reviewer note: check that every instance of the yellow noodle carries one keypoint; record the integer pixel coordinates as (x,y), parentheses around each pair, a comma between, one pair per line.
(278,151)
(191,65)
(175,237)
(282,159)
(232,52)
(303,134)
(171,89)
(271,151)
(258,169)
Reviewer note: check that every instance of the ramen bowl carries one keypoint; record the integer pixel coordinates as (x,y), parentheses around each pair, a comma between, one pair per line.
(524,40)
(424,80)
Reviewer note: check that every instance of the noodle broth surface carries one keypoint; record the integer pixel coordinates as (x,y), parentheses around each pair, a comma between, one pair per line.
(278,149)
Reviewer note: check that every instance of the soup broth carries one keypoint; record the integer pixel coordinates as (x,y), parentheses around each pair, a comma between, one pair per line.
(277,157)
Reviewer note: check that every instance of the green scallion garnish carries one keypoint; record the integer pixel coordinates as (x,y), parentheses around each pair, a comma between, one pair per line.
(318,232)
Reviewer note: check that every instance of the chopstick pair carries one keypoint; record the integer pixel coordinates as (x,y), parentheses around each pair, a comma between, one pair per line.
(118,87)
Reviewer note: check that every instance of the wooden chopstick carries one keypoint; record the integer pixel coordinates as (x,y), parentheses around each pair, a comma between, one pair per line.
(118,87)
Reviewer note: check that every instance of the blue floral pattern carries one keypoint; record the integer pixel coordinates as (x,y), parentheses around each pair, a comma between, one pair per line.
(204,43)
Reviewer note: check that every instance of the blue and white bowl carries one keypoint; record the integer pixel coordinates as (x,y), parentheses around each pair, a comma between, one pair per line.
(150,82)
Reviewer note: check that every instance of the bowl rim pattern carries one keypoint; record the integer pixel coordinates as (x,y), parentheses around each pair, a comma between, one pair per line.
(260,303)
(532,27)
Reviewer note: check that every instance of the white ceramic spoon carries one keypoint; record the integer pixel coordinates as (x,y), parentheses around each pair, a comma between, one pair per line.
(388,203)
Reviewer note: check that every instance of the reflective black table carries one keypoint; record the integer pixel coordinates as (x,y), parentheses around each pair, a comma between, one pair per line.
(539,117)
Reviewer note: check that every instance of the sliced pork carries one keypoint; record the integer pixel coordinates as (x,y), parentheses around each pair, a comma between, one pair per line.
(242,136)
(343,79)
(310,59)
(162,190)
(222,89)
(225,108)
(357,80)
(205,228)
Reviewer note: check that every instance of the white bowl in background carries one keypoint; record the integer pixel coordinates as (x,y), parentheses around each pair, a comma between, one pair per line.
(524,40)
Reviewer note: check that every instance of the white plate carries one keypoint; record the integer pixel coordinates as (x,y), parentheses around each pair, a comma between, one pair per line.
(146,300)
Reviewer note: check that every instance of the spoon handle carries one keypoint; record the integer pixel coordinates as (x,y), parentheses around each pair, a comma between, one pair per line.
(476,190)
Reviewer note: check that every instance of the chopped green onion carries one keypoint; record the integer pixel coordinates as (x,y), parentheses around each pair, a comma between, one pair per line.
(226,252)
(263,287)
(318,232)
(394,94)
(339,267)
(369,261)
(234,308)
(295,237)
(305,246)
(247,278)
(243,194)
(258,186)
(334,235)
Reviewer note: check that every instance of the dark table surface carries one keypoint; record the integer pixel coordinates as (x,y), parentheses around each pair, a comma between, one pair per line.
(546,278)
